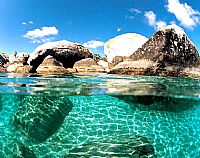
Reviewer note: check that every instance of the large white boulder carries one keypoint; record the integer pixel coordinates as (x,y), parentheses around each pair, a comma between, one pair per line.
(103,63)
(123,45)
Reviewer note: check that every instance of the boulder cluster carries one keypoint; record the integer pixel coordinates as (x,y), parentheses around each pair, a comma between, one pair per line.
(168,52)
(56,57)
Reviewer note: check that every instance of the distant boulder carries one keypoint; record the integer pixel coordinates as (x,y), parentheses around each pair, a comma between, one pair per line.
(3,59)
(139,67)
(3,70)
(63,51)
(117,60)
(169,51)
(18,63)
(23,58)
(14,67)
(123,45)
(88,65)
(23,69)
(51,65)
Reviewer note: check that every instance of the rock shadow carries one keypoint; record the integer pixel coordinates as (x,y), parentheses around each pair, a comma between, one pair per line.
(136,146)
(39,117)
(158,103)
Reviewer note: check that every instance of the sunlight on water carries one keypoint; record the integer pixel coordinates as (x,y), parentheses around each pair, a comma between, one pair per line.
(99,115)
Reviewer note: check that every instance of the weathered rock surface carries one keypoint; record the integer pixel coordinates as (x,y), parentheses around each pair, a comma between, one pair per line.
(169,50)
(51,65)
(117,60)
(72,70)
(14,67)
(3,59)
(129,68)
(169,46)
(104,64)
(145,64)
(38,117)
(191,72)
(139,67)
(19,65)
(18,68)
(88,65)
(23,58)
(24,69)
(2,70)
(123,45)
(122,147)
(63,51)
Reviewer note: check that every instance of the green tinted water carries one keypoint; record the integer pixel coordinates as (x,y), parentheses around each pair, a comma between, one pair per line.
(99,116)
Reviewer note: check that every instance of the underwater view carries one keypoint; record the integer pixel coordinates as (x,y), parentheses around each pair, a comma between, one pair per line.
(98,115)
(99,79)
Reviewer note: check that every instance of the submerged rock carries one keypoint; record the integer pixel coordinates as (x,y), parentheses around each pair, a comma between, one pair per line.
(88,65)
(169,49)
(158,103)
(63,51)
(15,149)
(136,146)
(38,117)
(26,152)
(123,45)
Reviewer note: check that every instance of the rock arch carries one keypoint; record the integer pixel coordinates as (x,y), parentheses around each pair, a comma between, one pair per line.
(63,51)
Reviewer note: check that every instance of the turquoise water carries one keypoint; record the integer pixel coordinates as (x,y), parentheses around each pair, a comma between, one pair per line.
(98,116)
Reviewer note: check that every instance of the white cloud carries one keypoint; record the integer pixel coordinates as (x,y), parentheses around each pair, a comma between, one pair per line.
(186,15)
(160,24)
(41,35)
(173,22)
(151,18)
(129,17)
(41,32)
(42,40)
(152,21)
(134,10)
(24,23)
(93,44)
(119,29)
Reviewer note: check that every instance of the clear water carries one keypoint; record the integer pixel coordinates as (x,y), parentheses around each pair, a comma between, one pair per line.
(98,115)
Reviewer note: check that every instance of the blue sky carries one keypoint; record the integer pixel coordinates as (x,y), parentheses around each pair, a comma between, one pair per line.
(25,24)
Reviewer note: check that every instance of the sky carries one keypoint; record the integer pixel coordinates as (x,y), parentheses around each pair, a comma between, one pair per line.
(26,24)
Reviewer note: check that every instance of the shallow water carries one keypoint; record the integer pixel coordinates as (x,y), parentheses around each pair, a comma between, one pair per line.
(99,116)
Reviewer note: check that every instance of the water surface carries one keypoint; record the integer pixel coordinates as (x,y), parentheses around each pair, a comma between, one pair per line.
(99,115)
